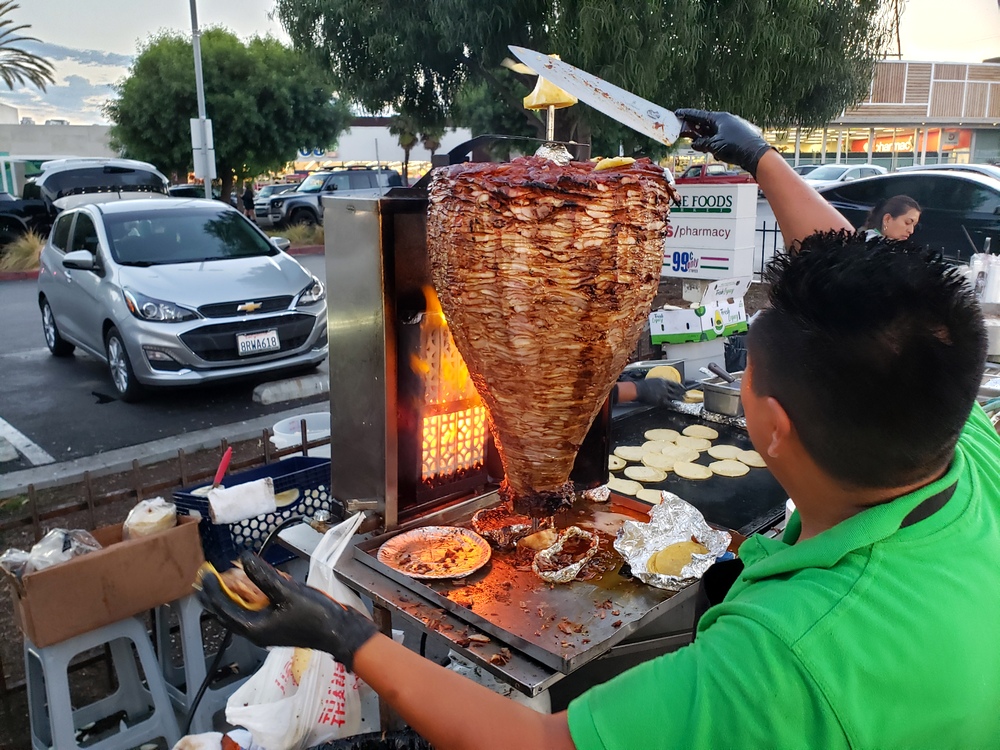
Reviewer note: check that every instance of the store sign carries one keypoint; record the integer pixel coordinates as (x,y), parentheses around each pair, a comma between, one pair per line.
(711,232)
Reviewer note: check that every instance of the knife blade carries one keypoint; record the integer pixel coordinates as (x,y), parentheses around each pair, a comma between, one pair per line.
(641,115)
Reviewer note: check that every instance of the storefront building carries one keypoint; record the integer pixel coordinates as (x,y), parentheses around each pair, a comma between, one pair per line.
(915,113)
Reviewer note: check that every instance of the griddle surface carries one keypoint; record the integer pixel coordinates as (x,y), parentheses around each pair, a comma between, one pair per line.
(748,504)
(519,609)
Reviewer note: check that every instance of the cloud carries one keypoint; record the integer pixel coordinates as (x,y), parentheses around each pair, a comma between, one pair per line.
(56,53)
(83,84)
(74,98)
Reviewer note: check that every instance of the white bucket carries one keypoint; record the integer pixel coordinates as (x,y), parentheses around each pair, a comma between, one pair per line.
(288,432)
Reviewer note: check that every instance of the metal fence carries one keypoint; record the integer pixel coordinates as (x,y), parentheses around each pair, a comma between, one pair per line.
(767,243)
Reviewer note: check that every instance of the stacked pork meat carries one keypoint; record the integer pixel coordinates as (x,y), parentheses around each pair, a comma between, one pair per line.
(546,274)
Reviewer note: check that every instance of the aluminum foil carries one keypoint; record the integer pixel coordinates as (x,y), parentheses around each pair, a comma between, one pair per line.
(554,152)
(598,494)
(503,528)
(699,410)
(570,572)
(672,521)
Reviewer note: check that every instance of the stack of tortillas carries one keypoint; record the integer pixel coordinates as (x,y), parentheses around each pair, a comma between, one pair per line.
(667,450)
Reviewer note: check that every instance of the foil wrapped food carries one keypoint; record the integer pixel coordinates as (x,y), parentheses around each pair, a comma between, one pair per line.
(672,521)
(549,564)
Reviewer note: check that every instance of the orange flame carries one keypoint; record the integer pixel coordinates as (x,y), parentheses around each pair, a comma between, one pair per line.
(453,435)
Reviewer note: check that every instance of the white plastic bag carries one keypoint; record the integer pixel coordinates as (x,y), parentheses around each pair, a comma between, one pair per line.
(325,705)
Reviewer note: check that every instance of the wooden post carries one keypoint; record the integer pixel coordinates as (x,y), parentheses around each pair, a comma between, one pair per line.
(35,520)
(90,499)
(182,465)
(137,480)
(304,434)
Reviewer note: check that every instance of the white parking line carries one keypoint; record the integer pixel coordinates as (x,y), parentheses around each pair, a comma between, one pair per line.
(34,453)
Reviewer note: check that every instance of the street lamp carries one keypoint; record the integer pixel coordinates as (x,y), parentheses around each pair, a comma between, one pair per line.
(202,143)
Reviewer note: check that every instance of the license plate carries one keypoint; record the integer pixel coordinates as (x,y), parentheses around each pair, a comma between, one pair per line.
(257,343)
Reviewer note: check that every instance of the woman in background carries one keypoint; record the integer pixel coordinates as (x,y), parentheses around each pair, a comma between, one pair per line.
(894,218)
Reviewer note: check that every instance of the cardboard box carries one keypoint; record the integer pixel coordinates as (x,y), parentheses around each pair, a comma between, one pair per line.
(711,233)
(720,313)
(120,580)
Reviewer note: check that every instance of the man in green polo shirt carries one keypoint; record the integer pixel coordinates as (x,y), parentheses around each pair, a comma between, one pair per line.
(875,622)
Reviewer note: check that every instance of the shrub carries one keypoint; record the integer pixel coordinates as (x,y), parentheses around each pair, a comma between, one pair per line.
(22,254)
(300,235)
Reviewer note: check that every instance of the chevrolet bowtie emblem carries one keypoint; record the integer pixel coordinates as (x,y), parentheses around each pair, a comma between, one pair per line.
(249,307)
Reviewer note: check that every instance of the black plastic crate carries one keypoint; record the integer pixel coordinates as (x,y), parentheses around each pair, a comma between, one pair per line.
(224,543)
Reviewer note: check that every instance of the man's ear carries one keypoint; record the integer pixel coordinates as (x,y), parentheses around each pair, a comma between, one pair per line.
(781,429)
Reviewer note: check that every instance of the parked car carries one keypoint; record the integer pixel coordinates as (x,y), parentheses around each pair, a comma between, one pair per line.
(63,183)
(989,170)
(198,191)
(830,174)
(177,291)
(804,169)
(959,209)
(712,174)
(262,201)
(304,204)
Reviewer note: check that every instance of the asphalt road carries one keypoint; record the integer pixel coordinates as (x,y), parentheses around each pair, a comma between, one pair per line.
(67,407)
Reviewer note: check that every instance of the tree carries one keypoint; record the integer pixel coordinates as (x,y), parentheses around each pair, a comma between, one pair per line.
(264,99)
(17,65)
(406,128)
(772,61)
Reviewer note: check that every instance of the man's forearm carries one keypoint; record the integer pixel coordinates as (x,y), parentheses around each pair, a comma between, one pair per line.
(451,711)
(798,208)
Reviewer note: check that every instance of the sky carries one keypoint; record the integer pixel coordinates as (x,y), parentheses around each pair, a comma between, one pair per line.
(91,42)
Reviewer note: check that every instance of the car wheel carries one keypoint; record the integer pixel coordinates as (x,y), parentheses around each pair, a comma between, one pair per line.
(59,346)
(122,375)
(304,217)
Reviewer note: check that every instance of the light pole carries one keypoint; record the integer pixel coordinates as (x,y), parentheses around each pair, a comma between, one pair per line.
(201,129)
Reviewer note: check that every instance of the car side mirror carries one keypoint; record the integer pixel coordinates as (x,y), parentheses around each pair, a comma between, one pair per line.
(330,188)
(79,260)
(282,243)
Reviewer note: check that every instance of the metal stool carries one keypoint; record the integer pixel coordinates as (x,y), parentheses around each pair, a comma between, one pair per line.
(54,722)
(182,682)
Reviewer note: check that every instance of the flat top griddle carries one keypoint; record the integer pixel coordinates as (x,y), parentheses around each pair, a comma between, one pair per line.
(748,504)
(521,610)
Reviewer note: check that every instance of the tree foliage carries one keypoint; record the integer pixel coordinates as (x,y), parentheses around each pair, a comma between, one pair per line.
(772,61)
(264,99)
(16,64)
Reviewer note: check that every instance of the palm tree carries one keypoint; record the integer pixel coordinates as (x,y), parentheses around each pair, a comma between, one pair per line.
(405,127)
(17,65)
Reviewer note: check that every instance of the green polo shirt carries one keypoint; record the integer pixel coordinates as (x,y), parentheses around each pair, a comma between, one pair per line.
(866,636)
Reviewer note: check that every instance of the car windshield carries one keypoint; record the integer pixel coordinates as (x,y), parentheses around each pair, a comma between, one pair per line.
(829,172)
(312,184)
(156,237)
(267,191)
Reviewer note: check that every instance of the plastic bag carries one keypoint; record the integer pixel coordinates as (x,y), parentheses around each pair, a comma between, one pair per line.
(325,703)
(149,517)
(58,546)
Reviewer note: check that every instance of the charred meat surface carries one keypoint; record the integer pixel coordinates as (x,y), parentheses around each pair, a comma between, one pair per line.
(545,274)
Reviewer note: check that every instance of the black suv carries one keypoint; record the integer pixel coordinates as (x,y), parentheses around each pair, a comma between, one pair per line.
(304,204)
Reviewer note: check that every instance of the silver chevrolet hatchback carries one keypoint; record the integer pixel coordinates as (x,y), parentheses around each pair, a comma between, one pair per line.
(177,292)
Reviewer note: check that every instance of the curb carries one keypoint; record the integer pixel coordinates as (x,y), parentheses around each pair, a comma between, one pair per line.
(120,459)
(307,250)
(292,389)
(18,275)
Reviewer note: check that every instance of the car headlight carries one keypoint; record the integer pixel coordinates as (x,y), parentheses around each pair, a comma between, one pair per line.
(147,308)
(277,204)
(312,294)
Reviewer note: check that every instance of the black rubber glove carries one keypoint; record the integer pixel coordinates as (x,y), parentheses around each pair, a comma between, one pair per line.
(298,615)
(727,137)
(658,391)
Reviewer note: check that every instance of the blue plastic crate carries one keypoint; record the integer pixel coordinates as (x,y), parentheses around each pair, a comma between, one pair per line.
(224,543)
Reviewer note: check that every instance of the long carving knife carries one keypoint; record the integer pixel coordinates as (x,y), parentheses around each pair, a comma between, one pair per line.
(641,115)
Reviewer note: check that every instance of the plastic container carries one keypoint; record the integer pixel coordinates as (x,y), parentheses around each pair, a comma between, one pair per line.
(223,543)
(288,432)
